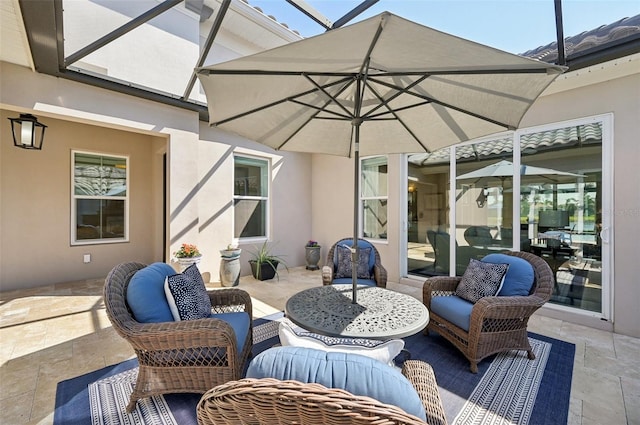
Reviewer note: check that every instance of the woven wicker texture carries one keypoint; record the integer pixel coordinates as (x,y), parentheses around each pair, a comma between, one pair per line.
(270,401)
(497,323)
(379,272)
(179,357)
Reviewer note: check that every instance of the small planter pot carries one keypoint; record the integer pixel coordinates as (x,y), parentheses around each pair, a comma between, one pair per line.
(312,257)
(230,253)
(230,271)
(265,272)
(187,261)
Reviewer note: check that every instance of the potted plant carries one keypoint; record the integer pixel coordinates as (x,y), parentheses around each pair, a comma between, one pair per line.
(187,254)
(264,264)
(231,251)
(312,255)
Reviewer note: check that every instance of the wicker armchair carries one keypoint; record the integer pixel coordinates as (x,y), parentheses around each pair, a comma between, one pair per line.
(497,323)
(179,357)
(329,270)
(270,401)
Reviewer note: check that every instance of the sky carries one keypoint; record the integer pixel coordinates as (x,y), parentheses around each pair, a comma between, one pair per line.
(515,26)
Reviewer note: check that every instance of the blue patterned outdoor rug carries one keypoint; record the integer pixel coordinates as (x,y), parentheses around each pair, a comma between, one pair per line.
(508,388)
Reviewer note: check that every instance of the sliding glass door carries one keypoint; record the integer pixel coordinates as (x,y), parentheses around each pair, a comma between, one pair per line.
(561,209)
(540,190)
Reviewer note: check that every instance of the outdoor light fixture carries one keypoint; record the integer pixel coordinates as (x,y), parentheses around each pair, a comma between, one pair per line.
(27,132)
(481,200)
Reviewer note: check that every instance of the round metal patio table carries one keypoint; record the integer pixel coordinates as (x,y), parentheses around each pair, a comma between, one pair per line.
(379,313)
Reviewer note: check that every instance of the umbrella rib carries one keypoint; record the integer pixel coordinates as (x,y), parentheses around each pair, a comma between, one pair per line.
(488,71)
(447,105)
(333,99)
(321,109)
(348,80)
(399,91)
(373,117)
(280,101)
(402,123)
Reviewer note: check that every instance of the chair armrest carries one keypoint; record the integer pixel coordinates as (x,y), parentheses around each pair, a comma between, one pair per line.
(185,334)
(516,309)
(421,376)
(230,300)
(439,286)
(327,275)
(380,275)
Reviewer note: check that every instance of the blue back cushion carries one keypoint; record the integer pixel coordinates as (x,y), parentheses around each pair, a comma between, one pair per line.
(454,309)
(519,278)
(354,373)
(349,280)
(145,294)
(361,244)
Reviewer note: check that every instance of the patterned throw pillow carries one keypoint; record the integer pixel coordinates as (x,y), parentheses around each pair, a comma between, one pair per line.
(481,280)
(344,262)
(187,296)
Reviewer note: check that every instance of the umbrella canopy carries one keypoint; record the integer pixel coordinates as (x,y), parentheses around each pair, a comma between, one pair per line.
(383,85)
(505,169)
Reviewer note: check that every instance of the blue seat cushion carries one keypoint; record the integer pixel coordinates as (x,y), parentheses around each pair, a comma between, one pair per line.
(519,278)
(454,309)
(145,294)
(349,280)
(239,321)
(351,372)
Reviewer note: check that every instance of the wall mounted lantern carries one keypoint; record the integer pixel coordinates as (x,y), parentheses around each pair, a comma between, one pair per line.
(481,200)
(27,132)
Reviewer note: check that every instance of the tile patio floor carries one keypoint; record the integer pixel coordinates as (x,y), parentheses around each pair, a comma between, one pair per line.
(60,331)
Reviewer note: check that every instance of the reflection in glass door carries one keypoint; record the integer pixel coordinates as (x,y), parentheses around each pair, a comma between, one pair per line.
(427,213)
(484,200)
(560,198)
(561,210)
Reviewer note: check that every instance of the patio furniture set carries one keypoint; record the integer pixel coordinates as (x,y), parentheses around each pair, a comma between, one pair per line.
(188,339)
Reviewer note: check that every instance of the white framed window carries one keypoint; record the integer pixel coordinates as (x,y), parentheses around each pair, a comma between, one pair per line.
(99,198)
(250,197)
(374,197)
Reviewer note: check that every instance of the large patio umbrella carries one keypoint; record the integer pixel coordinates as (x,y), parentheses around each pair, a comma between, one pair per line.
(383,85)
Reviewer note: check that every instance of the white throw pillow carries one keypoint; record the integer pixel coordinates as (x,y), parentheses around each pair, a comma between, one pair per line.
(384,351)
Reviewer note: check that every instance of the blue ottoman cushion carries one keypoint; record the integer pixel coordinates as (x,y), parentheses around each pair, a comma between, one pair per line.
(519,278)
(145,294)
(454,309)
(354,373)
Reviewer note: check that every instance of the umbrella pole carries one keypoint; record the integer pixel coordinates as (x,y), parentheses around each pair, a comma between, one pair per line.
(356,198)
(355,123)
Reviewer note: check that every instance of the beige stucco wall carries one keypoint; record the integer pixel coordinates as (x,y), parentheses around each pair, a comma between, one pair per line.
(333,215)
(85,117)
(36,205)
(290,198)
(199,182)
